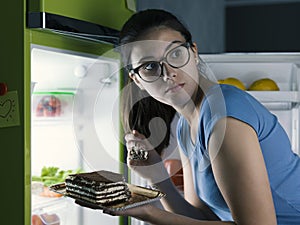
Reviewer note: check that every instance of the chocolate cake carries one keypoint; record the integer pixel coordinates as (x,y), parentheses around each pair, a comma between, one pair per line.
(99,187)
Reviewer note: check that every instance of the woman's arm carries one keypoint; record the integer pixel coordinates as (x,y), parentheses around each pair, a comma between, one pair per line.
(239,169)
(154,171)
(153,215)
(240,173)
(190,205)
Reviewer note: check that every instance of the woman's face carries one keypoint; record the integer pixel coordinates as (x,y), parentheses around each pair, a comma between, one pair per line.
(175,86)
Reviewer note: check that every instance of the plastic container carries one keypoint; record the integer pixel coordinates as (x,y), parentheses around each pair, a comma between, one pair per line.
(52,105)
(49,211)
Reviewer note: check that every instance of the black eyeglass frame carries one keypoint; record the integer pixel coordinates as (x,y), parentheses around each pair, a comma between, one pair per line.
(187,45)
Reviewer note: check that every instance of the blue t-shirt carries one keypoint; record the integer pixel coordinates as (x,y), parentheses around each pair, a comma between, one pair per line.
(282,164)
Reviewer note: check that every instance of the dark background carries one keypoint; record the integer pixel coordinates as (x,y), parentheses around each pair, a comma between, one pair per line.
(237,25)
(267,28)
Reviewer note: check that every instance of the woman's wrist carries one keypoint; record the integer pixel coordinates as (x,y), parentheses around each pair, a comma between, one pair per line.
(146,213)
(161,177)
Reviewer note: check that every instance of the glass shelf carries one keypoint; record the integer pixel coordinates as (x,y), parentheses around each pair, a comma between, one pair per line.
(277,100)
(276,96)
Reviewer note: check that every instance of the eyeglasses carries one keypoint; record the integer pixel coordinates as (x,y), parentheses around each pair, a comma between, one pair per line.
(152,70)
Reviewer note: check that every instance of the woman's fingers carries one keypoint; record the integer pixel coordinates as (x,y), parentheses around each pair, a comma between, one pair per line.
(138,134)
(109,212)
(87,204)
(137,146)
(134,135)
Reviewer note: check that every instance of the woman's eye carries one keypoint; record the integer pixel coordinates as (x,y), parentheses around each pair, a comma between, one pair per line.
(150,66)
(177,53)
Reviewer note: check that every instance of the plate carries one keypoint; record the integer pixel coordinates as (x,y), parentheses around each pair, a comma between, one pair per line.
(139,196)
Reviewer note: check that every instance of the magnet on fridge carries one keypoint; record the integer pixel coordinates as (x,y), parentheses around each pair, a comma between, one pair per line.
(9,110)
(3,88)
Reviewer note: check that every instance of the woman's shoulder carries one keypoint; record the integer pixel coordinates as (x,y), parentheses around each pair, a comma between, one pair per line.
(230,91)
(229,97)
(228,101)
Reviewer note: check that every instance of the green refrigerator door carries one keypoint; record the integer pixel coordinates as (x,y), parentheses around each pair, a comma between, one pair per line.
(15,64)
(12,135)
(108,13)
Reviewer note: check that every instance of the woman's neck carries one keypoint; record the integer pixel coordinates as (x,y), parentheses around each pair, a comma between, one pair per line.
(191,110)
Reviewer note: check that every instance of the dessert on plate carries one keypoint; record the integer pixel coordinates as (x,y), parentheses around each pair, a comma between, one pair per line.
(98,187)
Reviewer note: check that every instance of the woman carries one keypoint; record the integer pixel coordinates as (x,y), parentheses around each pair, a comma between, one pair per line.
(237,161)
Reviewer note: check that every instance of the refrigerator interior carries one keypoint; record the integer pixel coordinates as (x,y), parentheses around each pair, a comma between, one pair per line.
(283,68)
(75,125)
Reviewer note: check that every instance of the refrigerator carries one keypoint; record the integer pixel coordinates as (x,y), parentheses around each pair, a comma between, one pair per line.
(66,63)
(75,86)
(73,81)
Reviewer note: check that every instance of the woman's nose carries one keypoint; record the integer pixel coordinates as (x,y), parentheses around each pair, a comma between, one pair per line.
(167,71)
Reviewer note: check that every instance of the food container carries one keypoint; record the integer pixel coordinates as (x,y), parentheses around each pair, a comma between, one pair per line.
(55,104)
(49,211)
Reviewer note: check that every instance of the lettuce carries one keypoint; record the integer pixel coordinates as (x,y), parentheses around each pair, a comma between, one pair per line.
(53,175)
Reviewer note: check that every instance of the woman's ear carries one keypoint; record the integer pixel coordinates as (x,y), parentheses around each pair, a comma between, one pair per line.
(136,80)
(195,50)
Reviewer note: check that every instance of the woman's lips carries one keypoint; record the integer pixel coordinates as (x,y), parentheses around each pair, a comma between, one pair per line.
(174,88)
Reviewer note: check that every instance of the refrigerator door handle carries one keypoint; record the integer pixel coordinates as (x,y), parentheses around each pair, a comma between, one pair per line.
(72,27)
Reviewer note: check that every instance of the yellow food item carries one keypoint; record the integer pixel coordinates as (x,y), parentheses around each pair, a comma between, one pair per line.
(233,81)
(264,84)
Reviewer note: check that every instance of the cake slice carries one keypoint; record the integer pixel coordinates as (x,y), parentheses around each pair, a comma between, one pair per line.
(99,187)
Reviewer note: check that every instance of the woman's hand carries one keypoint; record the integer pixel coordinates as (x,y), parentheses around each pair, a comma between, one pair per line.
(152,168)
(139,212)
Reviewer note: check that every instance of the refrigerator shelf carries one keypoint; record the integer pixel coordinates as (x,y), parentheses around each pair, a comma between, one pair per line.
(40,203)
(276,96)
(52,121)
(56,92)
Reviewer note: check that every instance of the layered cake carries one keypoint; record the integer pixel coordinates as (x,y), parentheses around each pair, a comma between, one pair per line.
(99,187)
(138,154)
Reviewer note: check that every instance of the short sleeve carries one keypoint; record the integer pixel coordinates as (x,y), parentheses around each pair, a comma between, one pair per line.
(227,101)
(181,136)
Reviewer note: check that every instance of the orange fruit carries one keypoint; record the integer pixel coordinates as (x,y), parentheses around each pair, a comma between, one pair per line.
(234,82)
(264,84)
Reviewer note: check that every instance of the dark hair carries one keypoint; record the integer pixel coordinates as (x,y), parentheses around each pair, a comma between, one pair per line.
(138,108)
(141,22)
(145,112)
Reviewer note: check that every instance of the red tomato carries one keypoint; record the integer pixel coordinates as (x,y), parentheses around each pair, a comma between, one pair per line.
(36,220)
